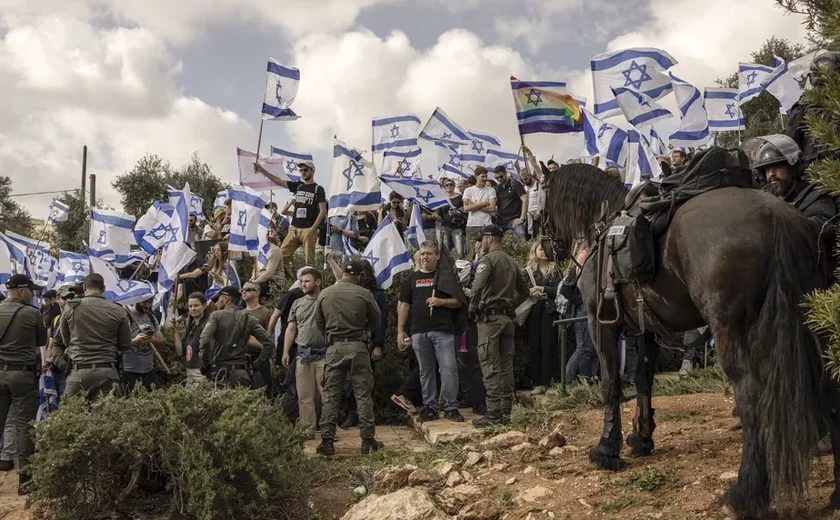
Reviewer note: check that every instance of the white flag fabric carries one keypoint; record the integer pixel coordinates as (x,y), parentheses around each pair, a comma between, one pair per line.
(290,161)
(254,179)
(245,220)
(406,163)
(152,228)
(414,233)
(474,154)
(395,132)
(263,245)
(801,66)
(783,85)
(640,69)
(640,110)
(441,128)
(426,192)
(42,266)
(72,267)
(641,160)
(750,77)
(694,122)
(110,233)
(176,253)
(722,109)
(387,253)
(449,161)
(281,86)
(13,260)
(355,186)
(496,157)
(603,139)
(221,197)
(657,145)
(120,290)
(196,204)
(59,212)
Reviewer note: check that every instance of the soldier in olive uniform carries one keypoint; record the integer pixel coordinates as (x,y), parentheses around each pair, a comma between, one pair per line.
(498,280)
(345,312)
(223,347)
(96,333)
(22,331)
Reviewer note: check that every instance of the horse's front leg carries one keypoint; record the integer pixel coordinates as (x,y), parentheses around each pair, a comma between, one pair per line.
(641,440)
(606,454)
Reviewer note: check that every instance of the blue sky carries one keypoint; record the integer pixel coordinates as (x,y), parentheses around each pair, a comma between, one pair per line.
(181,76)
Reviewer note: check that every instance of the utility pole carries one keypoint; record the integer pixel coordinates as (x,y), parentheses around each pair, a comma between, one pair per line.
(92,190)
(84,169)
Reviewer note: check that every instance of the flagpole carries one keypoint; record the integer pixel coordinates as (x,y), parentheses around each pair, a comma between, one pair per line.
(782,120)
(259,138)
(521,147)
(738,125)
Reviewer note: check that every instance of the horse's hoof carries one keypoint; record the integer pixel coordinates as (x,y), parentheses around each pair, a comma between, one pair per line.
(604,461)
(741,506)
(640,446)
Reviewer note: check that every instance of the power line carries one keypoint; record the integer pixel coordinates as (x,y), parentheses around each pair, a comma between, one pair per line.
(41,193)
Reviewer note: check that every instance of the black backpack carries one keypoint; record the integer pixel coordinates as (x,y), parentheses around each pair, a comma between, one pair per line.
(632,249)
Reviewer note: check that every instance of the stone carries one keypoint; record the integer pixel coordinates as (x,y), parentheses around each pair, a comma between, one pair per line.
(444,468)
(505,440)
(394,477)
(406,504)
(484,509)
(360,491)
(473,458)
(457,497)
(552,440)
(556,452)
(527,452)
(500,467)
(487,456)
(454,479)
(419,477)
(729,475)
(468,477)
(533,494)
(511,481)
(529,470)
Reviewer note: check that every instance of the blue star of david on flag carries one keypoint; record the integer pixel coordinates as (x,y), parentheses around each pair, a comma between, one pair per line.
(370,258)
(643,75)
(477,146)
(173,235)
(78,267)
(425,198)
(102,241)
(351,172)
(124,285)
(534,97)
(447,135)
(405,166)
(241,220)
(395,132)
(291,165)
(158,232)
(509,165)
(455,160)
(751,78)
(730,110)
(277,93)
(601,131)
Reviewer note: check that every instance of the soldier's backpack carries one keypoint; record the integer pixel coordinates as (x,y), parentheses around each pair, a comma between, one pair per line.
(631,247)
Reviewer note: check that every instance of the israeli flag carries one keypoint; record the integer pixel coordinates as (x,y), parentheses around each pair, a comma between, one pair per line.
(355,186)
(641,161)
(499,158)
(639,69)
(281,86)
(134,256)
(415,234)
(263,245)
(219,202)
(349,250)
(406,164)
(426,192)
(474,154)
(47,392)
(750,77)
(395,132)
(245,220)
(153,228)
(290,161)
(694,122)
(722,109)
(580,100)
(657,145)
(59,212)
(387,253)
(783,85)
(120,290)
(603,139)
(176,253)
(41,265)
(13,260)
(110,233)
(72,267)
(442,129)
(449,161)
(255,179)
(640,110)
(196,204)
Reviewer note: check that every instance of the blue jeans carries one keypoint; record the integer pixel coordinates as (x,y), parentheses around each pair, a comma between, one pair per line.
(452,237)
(519,230)
(436,349)
(584,359)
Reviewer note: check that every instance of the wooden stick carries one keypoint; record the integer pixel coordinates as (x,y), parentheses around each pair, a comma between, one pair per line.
(160,359)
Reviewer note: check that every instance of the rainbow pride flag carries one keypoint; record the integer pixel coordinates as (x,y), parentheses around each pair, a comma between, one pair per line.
(545,107)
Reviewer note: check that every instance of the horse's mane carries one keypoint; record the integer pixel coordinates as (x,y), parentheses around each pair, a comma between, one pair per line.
(576,193)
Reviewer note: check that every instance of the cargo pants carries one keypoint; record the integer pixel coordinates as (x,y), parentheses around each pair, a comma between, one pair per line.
(348,358)
(92,381)
(19,389)
(495,352)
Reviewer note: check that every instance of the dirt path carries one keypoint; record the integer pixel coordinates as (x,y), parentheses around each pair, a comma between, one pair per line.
(12,505)
(696,459)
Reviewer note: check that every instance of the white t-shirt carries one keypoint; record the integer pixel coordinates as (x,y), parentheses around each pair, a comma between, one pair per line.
(536,196)
(476,195)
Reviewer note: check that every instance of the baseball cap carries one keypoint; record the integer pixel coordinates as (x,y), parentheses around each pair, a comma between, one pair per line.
(308,163)
(230,291)
(66,292)
(353,267)
(21,281)
(493,231)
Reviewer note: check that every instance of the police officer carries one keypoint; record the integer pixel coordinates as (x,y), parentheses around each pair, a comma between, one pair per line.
(96,332)
(346,312)
(22,331)
(223,347)
(498,281)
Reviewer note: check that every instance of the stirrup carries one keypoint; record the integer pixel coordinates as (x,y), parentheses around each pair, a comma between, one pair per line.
(616,308)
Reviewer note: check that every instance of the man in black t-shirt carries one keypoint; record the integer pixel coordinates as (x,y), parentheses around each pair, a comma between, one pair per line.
(431,314)
(511,202)
(310,213)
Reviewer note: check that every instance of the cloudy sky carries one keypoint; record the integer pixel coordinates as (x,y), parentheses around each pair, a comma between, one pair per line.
(173,77)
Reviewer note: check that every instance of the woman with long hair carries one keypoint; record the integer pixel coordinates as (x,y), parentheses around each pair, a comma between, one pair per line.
(197,316)
(218,268)
(543,277)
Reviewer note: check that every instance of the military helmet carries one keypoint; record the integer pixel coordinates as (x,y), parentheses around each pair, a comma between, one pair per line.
(777,148)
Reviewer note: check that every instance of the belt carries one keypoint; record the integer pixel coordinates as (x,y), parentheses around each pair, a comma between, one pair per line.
(348,340)
(496,312)
(230,367)
(14,367)
(89,366)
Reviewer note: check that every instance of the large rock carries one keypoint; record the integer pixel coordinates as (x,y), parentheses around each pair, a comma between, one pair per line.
(533,494)
(554,439)
(473,458)
(406,504)
(454,479)
(484,509)
(444,467)
(527,452)
(394,477)
(505,440)
(457,497)
(419,477)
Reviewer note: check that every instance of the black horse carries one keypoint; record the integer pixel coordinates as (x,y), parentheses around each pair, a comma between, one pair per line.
(740,261)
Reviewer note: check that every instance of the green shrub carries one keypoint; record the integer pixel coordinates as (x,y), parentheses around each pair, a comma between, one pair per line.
(215,454)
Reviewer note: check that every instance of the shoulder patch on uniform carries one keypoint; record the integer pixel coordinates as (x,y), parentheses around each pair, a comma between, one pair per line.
(481,267)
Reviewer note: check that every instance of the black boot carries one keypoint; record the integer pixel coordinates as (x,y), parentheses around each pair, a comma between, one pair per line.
(487,420)
(371,445)
(350,421)
(24,483)
(326,448)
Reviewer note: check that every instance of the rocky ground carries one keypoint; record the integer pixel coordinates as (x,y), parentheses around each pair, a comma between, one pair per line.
(544,473)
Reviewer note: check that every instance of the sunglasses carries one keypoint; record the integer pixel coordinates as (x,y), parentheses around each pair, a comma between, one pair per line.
(249,289)
(304,168)
(448,185)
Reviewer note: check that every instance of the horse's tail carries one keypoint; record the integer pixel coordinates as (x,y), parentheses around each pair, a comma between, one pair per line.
(788,360)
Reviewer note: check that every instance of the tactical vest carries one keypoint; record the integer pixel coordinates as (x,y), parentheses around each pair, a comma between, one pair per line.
(7,312)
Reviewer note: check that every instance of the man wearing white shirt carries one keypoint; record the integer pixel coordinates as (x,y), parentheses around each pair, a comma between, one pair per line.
(480,204)
(536,202)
